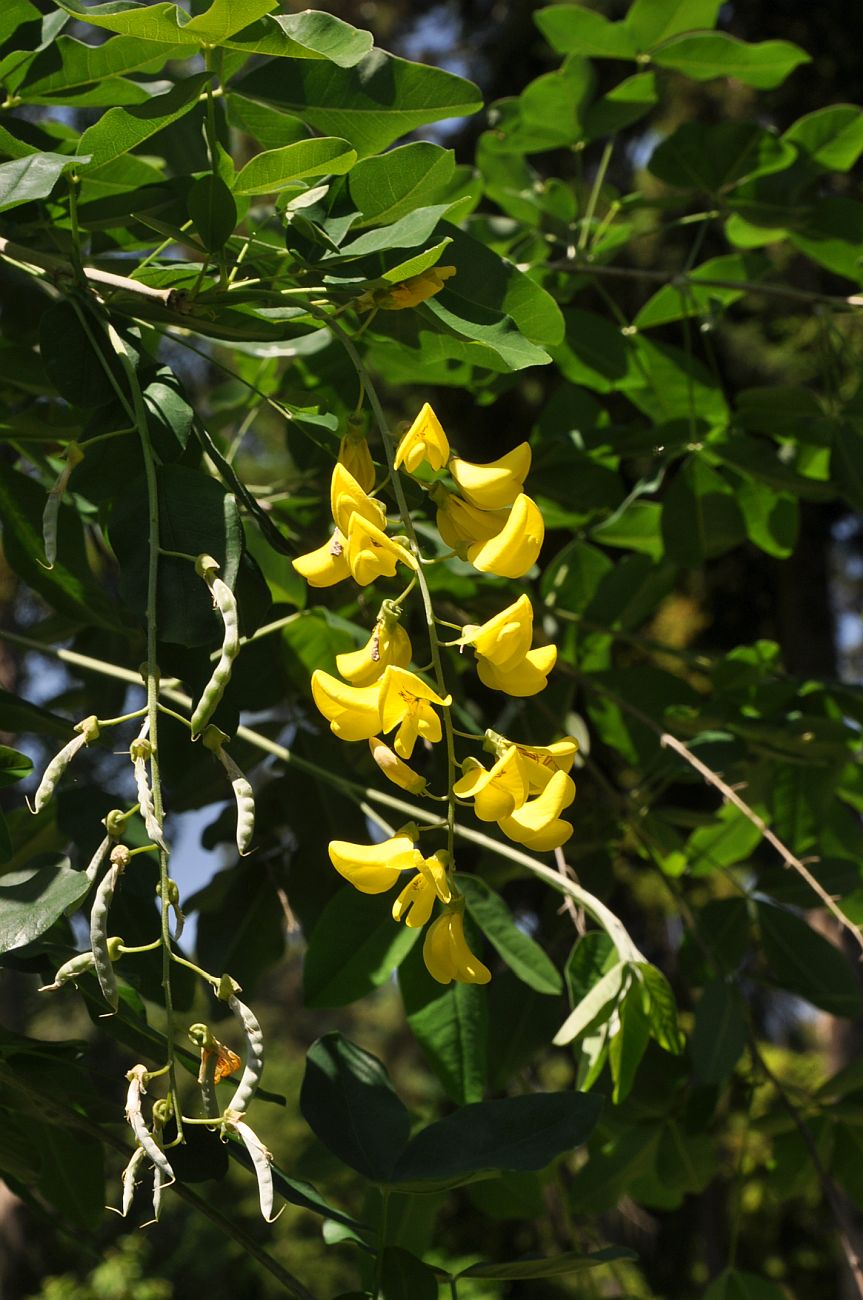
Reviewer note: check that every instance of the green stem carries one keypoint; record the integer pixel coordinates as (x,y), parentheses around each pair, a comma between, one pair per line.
(182,961)
(126,717)
(584,233)
(382,1241)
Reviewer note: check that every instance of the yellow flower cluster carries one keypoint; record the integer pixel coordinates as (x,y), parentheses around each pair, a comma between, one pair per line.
(487,519)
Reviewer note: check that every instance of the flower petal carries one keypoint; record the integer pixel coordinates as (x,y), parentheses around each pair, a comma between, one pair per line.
(494,485)
(504,639)
(514,549)
(347,498)
(353,712)
(371,554)
(424,440)
(326,565)
(528,677)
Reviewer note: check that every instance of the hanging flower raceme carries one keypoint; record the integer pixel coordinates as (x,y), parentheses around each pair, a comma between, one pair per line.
(388,644)
(505,661)
(446,954)
(425,440)
(537,824)
(492,486)
(406,703)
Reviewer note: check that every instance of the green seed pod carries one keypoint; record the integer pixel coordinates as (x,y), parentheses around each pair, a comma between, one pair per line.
(141,751)
(51,513)
(99,926)
(70,970)
(88,731)
(261,1161)
(225,602)
(254,1064)
(245,800)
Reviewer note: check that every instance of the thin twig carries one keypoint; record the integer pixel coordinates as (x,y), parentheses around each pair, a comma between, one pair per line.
(789,859)
(55,265)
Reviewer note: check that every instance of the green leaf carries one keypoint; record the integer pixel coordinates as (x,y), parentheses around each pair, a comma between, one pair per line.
(629,1044)
(573,577)
(557,102)
(404,1277)
(803,961)
(71,1172)
(33,898)
(388,187)
(17,715)
(14,14)
(309,34)
(371,105)
(168,23)
(716,158)
(594,353)
(713,54)
(680,301)
(213,210)
(720,1032)
(625,104)
(78,361)
(772,518)
(272,129)
(22,180)
(196,516)
(727,840)
(592,957)
(571,29)
(636,529)
(523,955)
(122,129)
(831,137)
(349,1103)
(654,21)
(88,70)
(513,1133)
(660,1009)
(414,228)
(832,236)
(734,1284)
(451,1026)
(239,926)
(596,1005)
(700,515)
(271,171)
(69,586)
(354,947)
(552,1266)
(14,766)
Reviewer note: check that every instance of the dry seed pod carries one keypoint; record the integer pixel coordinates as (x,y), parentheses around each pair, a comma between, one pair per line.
(254,1066)
(214,740)
(99,941)
(130,1180)
(224,601)
(88,731)
(174,904)
(261,1161)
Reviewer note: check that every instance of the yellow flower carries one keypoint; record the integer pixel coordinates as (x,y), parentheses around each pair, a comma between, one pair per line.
(394,769)
(326,565)
(528,677)
(542,761)
(447,956)
(347,499)
(537,824)
(514,549)
(353,712)
(424,440)
(371,554)
(415,902)
(505,639)
(414,290)
(374,868)
(459,523)
(496,793)
(354,454)
(388,644)
(494,485)
(406,702)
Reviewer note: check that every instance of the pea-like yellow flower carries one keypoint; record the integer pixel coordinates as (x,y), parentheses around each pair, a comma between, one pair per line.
(354,454)
(414,290)
(394,769)
(496,793)
(541,761)
(446,954)
(494,485)
(415,902)
(424,440)
(406,703)
(374,868)
(371,554)
(512,551)
(528,677)
(353,712)
(537,824)
(347,499)
(459,523)
(388,644)
(505,639)
(326,565)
